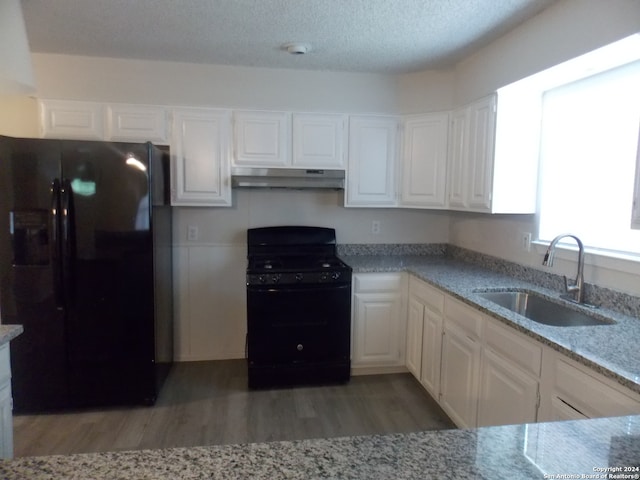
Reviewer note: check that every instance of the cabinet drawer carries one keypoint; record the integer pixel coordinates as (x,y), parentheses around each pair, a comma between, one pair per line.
(430,296)
(589,395)
(377,282)
(514,347)
(465,317)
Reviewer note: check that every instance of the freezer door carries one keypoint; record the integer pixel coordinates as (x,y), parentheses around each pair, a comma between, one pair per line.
(30,292)
(109,280)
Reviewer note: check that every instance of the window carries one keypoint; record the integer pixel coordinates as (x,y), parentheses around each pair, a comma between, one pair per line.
(582,120)
(588,145)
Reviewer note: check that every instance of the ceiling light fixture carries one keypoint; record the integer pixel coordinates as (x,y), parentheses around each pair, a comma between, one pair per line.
(16,71)
(296,48)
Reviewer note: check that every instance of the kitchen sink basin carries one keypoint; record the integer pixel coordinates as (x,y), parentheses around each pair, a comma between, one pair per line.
(542,310)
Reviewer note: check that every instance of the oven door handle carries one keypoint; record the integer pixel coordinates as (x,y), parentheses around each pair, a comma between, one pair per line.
(297,288)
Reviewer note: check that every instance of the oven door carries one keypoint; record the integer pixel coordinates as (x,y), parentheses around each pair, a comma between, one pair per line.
(298,323)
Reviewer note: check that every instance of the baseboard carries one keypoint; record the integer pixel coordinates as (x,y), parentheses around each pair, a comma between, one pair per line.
(368,370)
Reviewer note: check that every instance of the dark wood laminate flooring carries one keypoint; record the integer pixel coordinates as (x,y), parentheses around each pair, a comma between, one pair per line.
(207,403)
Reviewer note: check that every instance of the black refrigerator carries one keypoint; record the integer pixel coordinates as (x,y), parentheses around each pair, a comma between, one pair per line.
(85,267)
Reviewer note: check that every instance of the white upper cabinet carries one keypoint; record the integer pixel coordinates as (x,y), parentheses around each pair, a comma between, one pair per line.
(135,123)
(471,156)
(482,130)
(372,161)
(201,157)
(262,139)
(490,170)
(97,121)
(457,173)
(71,120)
(319,140)
(424,167)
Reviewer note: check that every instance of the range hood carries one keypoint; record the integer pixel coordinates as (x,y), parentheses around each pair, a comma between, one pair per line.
(287,178)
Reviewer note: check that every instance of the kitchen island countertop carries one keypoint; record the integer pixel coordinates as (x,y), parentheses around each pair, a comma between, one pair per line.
(9,332)
(573,449)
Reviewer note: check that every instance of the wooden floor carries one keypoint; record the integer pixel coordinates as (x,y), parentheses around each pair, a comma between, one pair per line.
(207,403)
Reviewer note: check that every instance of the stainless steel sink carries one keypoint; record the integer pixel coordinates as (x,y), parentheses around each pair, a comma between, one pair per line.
(542,310)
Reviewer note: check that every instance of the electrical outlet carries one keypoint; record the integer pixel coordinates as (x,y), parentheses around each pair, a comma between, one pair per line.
(526,241)
(375,227)
(192,233)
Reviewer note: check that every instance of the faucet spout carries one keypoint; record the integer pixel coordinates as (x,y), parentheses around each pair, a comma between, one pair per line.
(575,291)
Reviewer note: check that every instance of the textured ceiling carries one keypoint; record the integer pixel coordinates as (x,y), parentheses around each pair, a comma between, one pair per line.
(383,36)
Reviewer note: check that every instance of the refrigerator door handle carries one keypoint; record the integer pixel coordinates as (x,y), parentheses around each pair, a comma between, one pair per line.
(67,241)
(56,254)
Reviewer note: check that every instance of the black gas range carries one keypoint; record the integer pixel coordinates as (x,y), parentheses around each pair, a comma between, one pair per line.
(298,307)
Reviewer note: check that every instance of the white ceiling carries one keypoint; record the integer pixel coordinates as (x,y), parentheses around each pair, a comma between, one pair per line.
(377,36)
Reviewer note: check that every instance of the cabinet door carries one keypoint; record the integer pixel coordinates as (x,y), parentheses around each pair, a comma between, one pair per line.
(482,126)
(424,164)
(414,337)
(71,120)
(262,139)
(137,123)
(457,173)
(561,410)
(460,375)
(377,329)
(507,394)
(318,140)
(371,166)
(200,156)
(586,392)
(431,352)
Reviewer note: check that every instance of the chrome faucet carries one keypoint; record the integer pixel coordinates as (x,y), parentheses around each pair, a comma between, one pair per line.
(574,292)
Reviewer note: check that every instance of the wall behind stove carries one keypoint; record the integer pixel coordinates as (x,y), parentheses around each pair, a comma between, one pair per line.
(209,285)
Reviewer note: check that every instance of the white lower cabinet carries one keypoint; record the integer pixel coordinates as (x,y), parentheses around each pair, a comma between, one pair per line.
(415,326)
(510,377)
(572,390)
(424,334)
(6,404)
(379,320)
(460,374)
(483,372)
(507,394)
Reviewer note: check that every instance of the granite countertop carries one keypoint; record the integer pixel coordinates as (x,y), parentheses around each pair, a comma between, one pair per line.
(612,350)
(9,332)
(573,449)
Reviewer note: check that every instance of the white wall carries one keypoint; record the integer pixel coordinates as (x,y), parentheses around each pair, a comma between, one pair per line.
(565,30)
(170,83)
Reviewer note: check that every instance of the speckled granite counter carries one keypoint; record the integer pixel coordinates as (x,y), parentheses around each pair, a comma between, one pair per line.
(609,349)
(9,332)
(573,449)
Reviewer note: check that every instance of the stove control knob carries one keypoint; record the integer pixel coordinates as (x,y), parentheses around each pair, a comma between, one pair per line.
(300,347)
(262,278)
(275,278)
(299,277)
(324,276)
(335,275)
